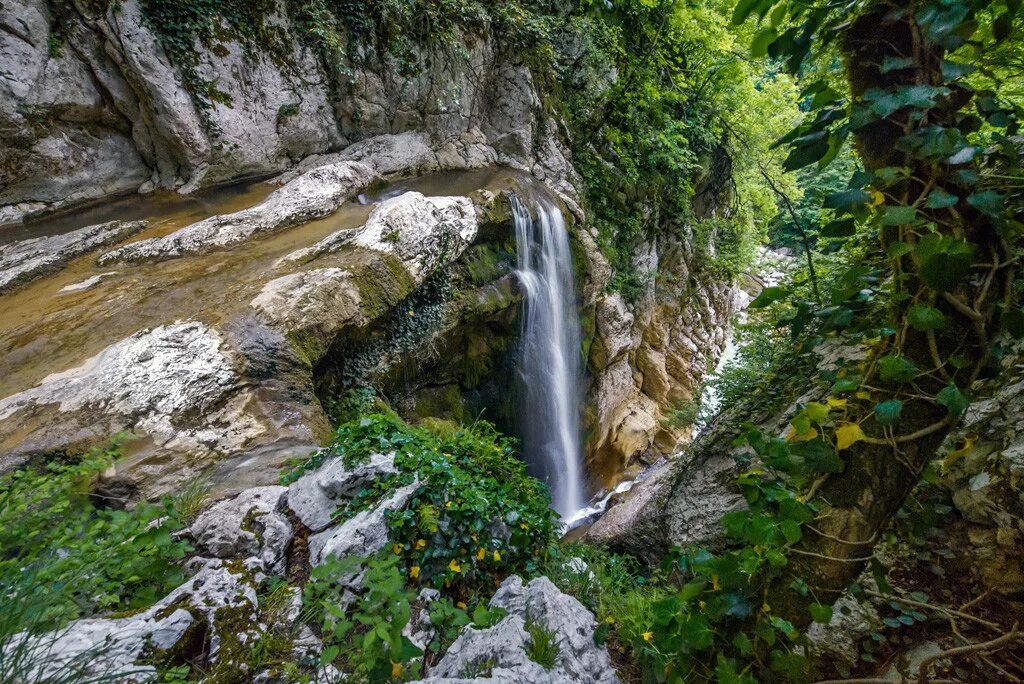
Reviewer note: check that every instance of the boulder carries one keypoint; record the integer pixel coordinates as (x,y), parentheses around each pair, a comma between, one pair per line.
(501,653)
(250,524)
(216,604)
(312,195)
(363,534)
(315,496)
(26,260)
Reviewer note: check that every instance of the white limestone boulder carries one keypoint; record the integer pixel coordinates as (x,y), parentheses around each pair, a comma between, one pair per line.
(316,495)
(249,525)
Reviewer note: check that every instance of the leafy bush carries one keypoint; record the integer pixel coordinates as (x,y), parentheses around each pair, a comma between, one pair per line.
(84,559)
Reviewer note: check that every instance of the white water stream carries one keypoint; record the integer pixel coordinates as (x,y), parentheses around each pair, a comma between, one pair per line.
(549,357)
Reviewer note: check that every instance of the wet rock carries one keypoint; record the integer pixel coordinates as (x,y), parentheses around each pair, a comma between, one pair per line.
(312,195)
(315,496)
(250,524)
(363,534)
(87,284)
(26,260)
(500,653)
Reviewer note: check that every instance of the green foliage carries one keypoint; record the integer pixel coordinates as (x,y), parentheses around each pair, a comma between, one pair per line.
(84,560)
(543,648)
(367,639)
(477,518)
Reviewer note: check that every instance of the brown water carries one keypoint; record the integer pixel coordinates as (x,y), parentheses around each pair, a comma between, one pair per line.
(44,330)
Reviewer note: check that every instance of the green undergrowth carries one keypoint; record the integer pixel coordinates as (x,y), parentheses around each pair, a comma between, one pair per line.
(66,555)
(476,518)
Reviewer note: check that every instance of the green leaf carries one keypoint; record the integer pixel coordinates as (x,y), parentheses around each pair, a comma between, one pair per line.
(953,399)
(940,199)
(768,296)
(759,46)
(898,216)
(821,613)
(896,369)
(898,249)
(839,228)
(791,530)
(945,261)
(849,201)
(888,412)
(923,317)
(1013,322)
(744,8)
(988,202)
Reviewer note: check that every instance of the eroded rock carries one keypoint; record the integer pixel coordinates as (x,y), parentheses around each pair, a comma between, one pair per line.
(315,496)
(312,195)
(174,383)
(363,534)
(501,653)
(26,260)
(250,524)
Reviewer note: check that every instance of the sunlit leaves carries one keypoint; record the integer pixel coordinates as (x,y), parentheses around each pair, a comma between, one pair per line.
(848,434)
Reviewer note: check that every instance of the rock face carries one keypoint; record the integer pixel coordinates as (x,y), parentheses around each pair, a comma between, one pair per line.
(212,605)
(316,495)
(99,109)
(650,357)
(365,533)
(25,260)
(501,653)
(983,469)
(176,383)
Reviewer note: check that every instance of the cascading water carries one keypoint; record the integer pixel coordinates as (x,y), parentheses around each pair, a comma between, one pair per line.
(549,357)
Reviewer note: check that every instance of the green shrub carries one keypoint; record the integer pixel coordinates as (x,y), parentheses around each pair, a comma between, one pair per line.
(84,560)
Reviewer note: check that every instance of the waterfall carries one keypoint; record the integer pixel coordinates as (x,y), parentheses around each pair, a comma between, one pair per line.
(549,355)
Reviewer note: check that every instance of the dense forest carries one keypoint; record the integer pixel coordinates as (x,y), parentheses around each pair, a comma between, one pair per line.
(842,499)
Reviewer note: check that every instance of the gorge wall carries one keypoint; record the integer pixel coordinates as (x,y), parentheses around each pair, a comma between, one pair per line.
(91,106)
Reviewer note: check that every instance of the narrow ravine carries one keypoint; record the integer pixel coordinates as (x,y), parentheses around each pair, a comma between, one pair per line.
(549,365)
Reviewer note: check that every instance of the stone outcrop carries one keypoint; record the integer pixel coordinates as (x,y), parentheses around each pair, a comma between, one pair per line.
(982,467)
(316,495)
(650,357)
(364,534)
(500,653)
(176,383)
(312,195)
(26,260)
(216,605)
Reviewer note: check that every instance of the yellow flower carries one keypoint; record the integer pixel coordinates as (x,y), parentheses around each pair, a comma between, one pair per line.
(610,620)
(454,566)
(715,586)
(461,605)
(447,504)
(497,556)
(480,554)
(421,544)
(414,572)
(648,636)
(765,607)
(396,670)
(397,548)
(524,526)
